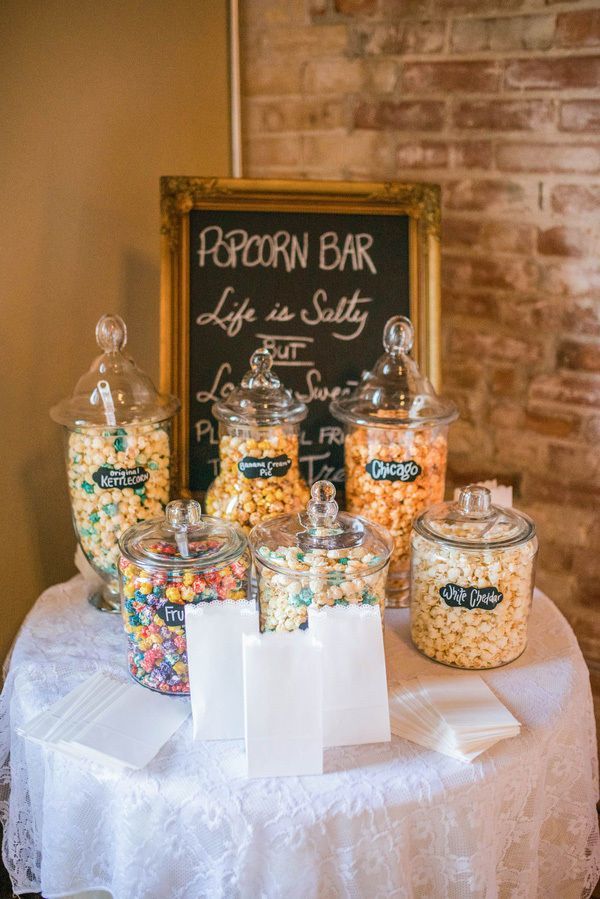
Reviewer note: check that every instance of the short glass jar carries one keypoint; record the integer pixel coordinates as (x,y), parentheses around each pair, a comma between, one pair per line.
(334,559)
(165,564)
(395,447)
(259,474)
(117,431)
(472,578)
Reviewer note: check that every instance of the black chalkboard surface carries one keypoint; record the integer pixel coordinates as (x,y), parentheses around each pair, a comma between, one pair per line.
(315,289)
(310,270)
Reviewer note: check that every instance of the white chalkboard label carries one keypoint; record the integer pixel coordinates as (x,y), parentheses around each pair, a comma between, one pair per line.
(456,596)
(381,470)
(268,467)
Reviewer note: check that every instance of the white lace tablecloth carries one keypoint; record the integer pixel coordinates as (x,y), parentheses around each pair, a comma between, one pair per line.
(390,820)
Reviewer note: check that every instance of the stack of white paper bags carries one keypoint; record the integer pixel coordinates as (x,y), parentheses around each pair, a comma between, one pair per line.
(458,716)
(109,721)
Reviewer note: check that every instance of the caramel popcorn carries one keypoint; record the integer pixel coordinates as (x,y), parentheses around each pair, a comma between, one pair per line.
(259,476)
(391,476)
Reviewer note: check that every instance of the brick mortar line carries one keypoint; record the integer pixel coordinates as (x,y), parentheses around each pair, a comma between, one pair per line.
(446,175)
(442,56)
(555,95)
(497,139)
(499,13)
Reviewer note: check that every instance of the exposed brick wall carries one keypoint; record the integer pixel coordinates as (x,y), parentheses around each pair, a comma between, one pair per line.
(500,103)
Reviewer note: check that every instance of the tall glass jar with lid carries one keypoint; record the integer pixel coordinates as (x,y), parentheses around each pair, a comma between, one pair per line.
(259,424)
(473,567)
(333,559)
(117,430)
(180,558)
(395,448)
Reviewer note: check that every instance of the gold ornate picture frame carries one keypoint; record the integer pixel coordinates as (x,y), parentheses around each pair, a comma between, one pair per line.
(387,203)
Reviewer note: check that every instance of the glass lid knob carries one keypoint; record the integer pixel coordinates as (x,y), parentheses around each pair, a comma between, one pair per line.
(260,374)
(322,509)
(398,335)
(182,514)
(111,333)
(475,501)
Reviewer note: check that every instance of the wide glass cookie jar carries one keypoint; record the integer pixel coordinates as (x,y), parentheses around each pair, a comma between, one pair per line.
(117,431)
(395,446)
(333,559)
(259,435)
(182,557)
(472,567)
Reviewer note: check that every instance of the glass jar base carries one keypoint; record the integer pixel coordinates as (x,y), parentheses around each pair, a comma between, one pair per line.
(397,592)
(462,667)
(105,600)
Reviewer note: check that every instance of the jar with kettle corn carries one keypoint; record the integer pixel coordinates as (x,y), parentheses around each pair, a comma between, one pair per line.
(117,430)
(259,475)
(395,447)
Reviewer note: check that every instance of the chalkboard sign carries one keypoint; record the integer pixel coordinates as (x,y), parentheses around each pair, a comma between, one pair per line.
(310,270)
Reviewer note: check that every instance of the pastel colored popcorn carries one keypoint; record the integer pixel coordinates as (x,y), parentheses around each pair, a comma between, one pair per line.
(117,477)
(321,577)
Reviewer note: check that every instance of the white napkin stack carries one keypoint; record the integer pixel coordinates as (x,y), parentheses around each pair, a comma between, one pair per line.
(109,721)
(457,716)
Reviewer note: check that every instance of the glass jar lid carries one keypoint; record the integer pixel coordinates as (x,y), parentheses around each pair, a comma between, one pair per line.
(183,539)
(325,530)
(395,393)
(114,391)
(260,399)
(472,522)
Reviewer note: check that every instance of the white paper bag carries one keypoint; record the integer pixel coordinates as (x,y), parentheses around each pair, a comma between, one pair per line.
(282,688)
(355,700)
(214,634)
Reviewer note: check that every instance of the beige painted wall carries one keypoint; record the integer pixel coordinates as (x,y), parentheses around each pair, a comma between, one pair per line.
(97,100)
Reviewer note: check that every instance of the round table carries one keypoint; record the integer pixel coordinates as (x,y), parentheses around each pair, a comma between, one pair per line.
(388,820)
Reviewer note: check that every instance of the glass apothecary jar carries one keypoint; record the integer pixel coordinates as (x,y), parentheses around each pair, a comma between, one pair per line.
(395,447)
(182,557)
(259,475)
(333,559)
(117,430)
(473,567)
